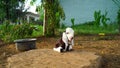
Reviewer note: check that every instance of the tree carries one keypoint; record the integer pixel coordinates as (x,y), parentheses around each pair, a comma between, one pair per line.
(117,2)
(10,9)
(53,12)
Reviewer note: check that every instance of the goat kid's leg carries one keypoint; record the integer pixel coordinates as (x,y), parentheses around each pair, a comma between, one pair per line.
(70,47)
(66,46)
(58,49)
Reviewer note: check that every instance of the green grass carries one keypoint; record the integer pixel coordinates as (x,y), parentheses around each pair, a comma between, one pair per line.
(91,29)
(38,31)
(0,25)
(80,29)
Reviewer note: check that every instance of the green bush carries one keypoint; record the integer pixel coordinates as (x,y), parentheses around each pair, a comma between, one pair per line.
(73,21)
(22,31)
(89,23)
(63,25)
(97,17)
(104,19)
(9,33)
(118,19)
(6,31)
(37,32)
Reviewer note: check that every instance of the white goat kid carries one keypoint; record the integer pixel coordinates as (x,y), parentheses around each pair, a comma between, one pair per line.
(66,42)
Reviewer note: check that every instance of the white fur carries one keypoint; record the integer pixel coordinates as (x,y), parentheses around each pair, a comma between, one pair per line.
(70,48)
(57,49)
(68,35)
(70,32)
(65,40)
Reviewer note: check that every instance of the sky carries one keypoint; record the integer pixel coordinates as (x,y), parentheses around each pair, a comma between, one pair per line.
(32,7)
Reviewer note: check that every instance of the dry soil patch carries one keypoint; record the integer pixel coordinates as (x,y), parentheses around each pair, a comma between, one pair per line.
(47,58)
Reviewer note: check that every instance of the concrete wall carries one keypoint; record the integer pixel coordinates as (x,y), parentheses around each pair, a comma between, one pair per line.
(83,10)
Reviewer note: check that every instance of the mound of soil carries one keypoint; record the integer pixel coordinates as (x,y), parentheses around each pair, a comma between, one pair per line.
(108,48)
(47,58)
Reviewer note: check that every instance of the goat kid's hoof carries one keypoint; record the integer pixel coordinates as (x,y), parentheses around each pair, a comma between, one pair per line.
(59,49)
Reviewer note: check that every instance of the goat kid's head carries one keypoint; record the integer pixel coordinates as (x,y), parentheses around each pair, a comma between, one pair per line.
(70,33)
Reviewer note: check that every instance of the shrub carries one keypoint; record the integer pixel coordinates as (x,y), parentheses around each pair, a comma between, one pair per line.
(22,31)
(104,19)
(97,17)
(73,21)
(63,25)
(89,23)
(5,33)
(118,19)
(10,33)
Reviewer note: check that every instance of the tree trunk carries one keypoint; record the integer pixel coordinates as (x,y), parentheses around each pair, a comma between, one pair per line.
(44,22)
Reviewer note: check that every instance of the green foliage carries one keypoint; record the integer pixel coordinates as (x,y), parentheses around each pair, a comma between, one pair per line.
(32,2)
(97,17)
(11,9)
(2,14)
(42,17)
(90,23)
(6,31)
(22,31)
(63,25)
(117,2)
(10,32)
(91,29)
(40,10)
(38,32)
(104,19)
(88,28)
(54,12)
(118,19)
(73,21)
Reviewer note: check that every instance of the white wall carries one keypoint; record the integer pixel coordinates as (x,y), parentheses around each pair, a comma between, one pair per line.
(83,10)
(29,15)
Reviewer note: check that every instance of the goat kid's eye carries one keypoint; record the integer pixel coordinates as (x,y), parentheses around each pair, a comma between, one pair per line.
(67,33)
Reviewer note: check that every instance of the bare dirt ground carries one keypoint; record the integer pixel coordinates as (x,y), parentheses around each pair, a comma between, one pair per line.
(108,47)
(47,58)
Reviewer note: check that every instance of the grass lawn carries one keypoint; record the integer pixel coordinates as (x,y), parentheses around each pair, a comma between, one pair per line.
(84,29)
(81,29)
(91,29)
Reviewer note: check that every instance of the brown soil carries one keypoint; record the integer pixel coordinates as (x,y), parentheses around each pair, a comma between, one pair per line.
(108,47)
(47,58)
